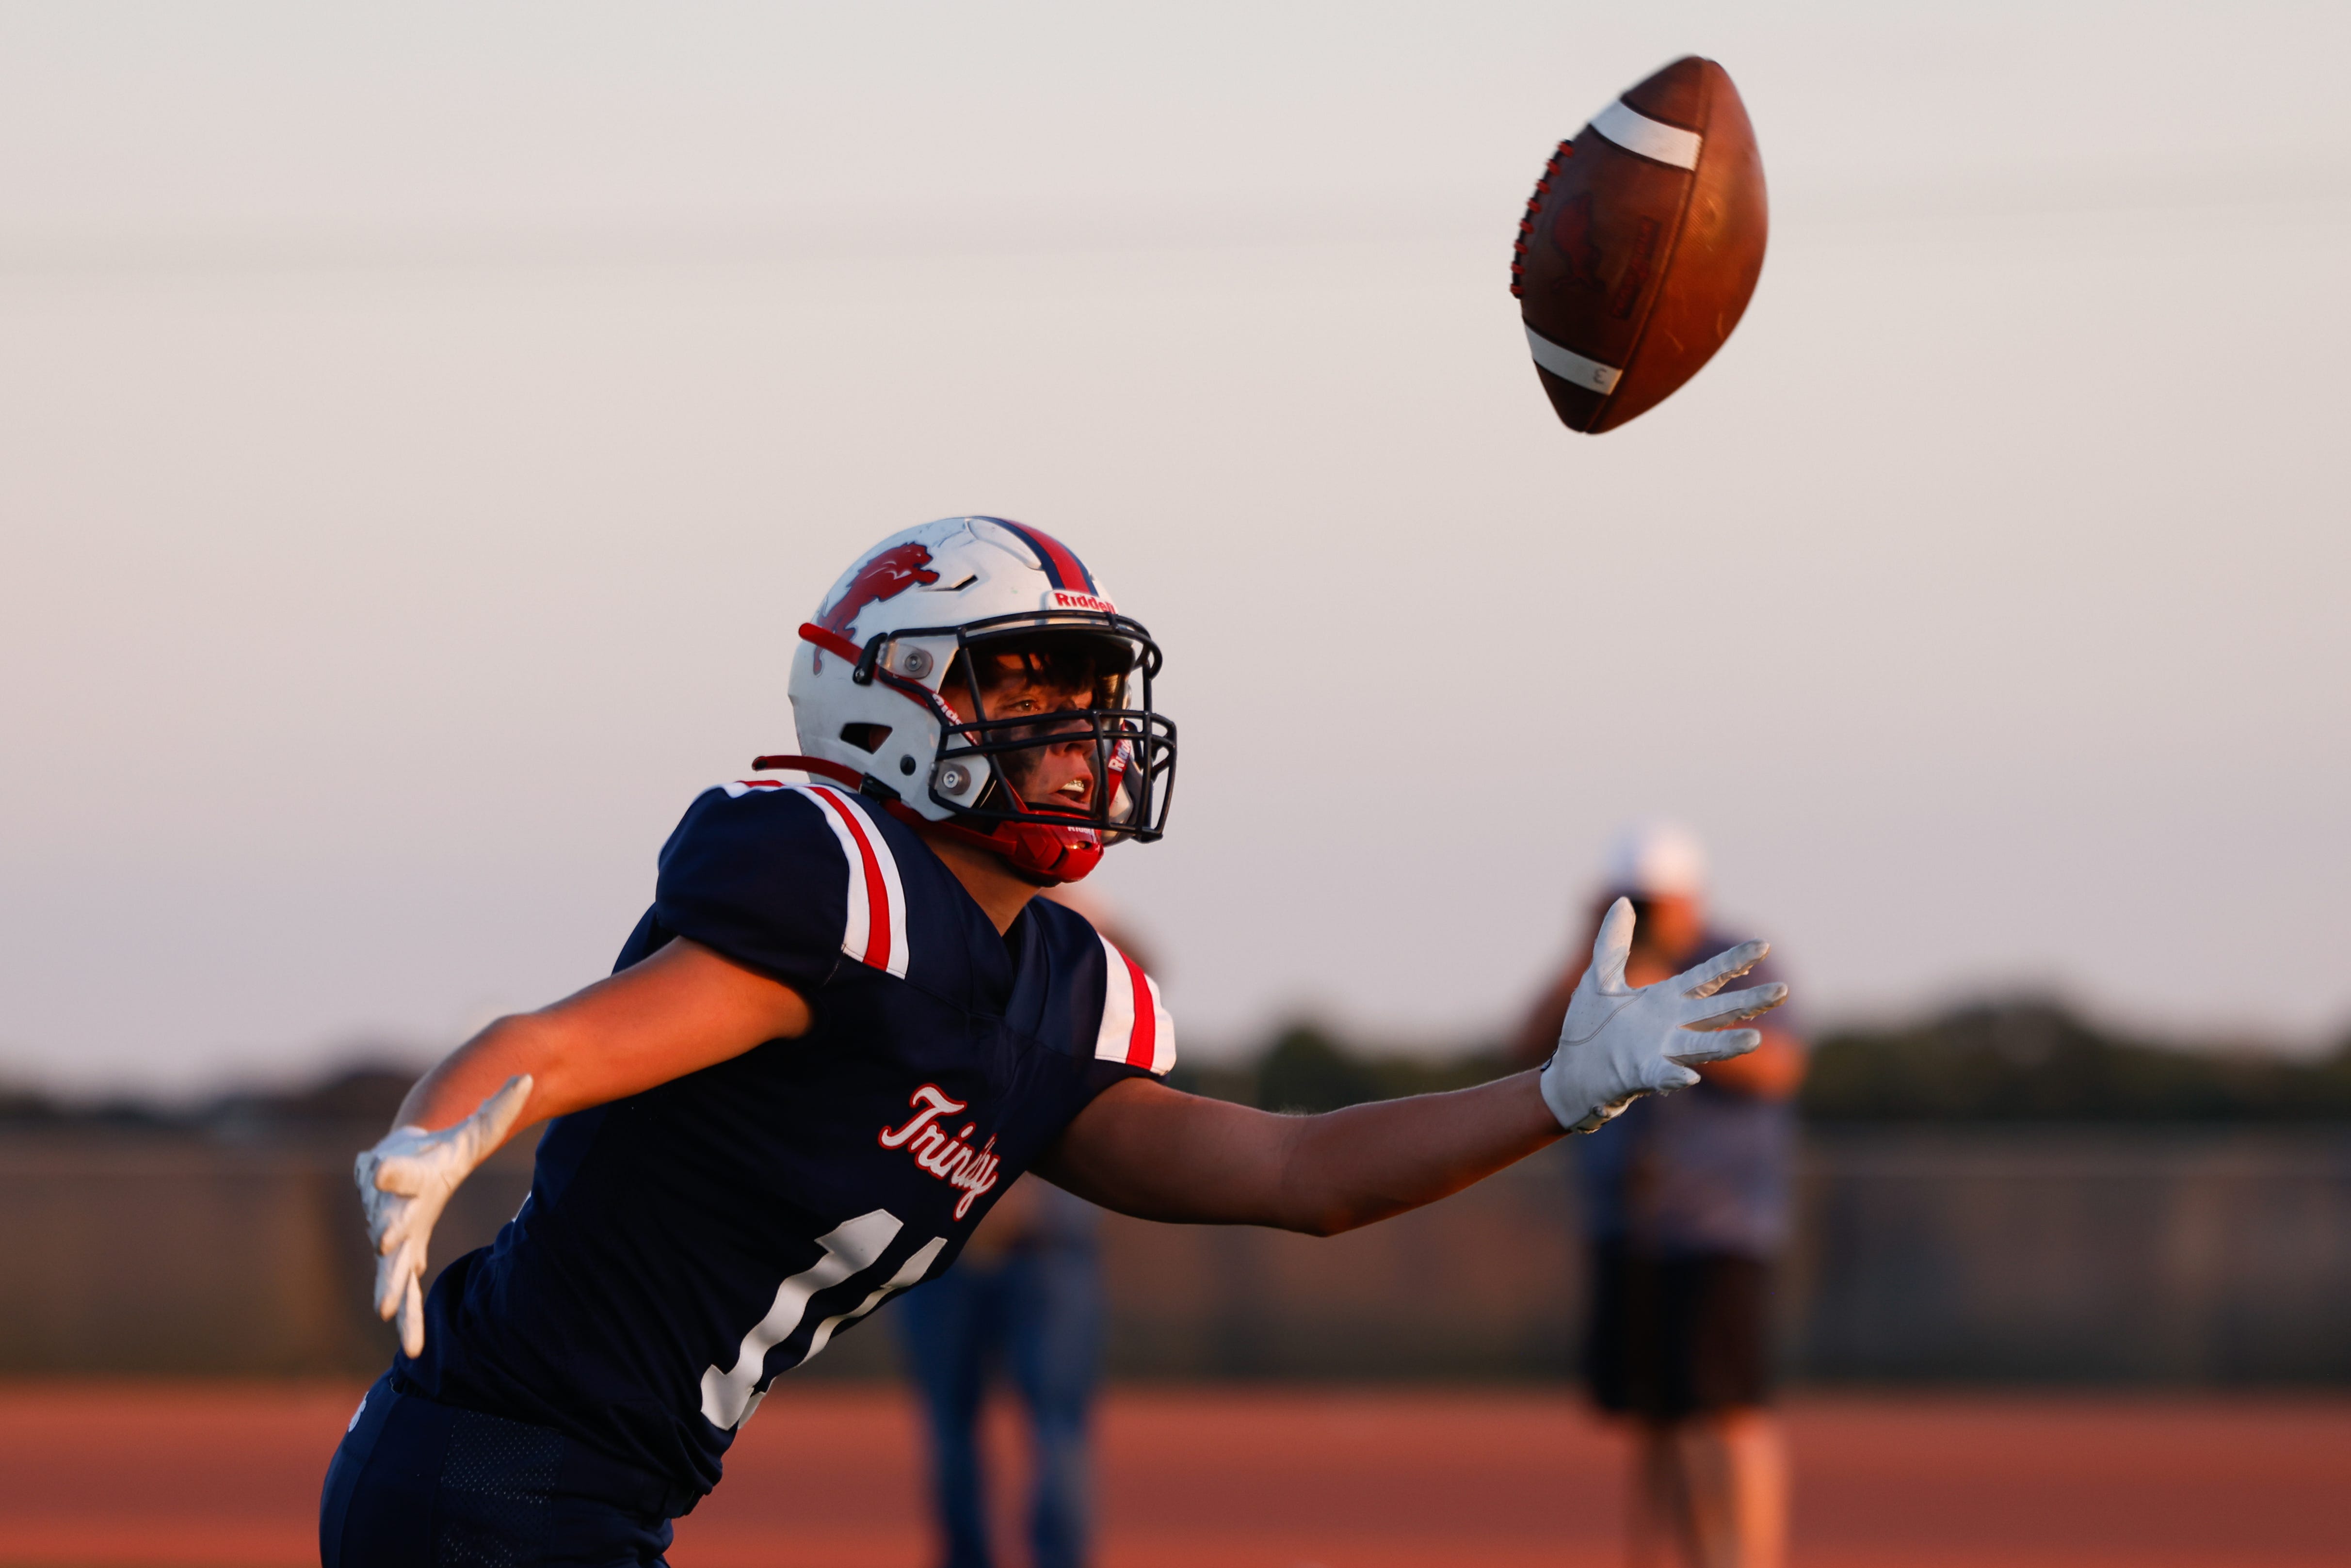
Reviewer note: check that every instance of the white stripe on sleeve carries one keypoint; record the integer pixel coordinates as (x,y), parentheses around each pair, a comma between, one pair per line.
(1163,1036)
(854,933)
(1118,1006)
(875,930)
(900,951)
(1127,1019)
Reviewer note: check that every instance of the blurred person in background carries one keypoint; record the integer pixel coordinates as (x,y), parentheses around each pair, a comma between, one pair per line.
(1026,1299)
(1685,1208)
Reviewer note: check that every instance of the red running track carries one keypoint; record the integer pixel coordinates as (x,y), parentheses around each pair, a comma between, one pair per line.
(191,1475)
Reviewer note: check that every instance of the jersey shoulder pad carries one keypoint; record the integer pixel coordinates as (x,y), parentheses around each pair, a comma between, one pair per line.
(788,878)
(1135,1027)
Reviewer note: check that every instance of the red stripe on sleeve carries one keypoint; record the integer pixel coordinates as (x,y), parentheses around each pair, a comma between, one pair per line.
(877,892)
(1143,1040)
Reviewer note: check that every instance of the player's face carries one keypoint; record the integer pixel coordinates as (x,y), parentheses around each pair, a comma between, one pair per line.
(1017,685)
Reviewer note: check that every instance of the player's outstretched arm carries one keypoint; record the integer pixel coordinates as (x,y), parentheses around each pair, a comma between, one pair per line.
(1145,1149)
(682,1010)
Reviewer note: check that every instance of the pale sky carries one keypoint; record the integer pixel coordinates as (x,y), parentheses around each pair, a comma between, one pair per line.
(421,431)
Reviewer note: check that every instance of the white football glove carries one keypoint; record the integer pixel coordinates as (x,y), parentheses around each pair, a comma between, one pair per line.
(405,1182)
(1619,1043)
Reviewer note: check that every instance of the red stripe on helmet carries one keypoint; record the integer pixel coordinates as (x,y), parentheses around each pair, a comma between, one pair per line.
(1064,568)
(833,643)
(830,640)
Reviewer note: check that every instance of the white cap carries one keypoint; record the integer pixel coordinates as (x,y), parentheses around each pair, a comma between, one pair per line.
(1653,858)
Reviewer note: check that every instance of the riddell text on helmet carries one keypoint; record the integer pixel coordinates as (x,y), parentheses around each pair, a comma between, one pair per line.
(1065,600)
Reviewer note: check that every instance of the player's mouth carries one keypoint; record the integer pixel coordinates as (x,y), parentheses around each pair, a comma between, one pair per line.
(1074,798)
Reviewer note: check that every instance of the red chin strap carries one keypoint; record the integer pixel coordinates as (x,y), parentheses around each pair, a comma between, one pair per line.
(1044,851)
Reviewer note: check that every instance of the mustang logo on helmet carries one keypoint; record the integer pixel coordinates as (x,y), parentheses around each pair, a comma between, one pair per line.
(887,575)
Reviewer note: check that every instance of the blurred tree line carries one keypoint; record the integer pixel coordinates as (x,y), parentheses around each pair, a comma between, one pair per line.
(1304,1067)
(2010,1061)
(351,1102)
(2036,1061)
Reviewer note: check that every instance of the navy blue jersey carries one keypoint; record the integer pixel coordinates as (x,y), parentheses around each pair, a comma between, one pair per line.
(682,1248)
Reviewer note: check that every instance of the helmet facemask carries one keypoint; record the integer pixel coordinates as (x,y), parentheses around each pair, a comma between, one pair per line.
(1052,726)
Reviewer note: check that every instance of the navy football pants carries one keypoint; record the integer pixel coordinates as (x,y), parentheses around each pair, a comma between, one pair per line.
(1040,1312)
(417,1484)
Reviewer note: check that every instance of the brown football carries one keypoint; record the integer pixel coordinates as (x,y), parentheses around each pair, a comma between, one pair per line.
(1641,246)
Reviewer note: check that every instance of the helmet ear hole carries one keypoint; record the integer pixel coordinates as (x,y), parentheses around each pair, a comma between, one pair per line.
(866,736)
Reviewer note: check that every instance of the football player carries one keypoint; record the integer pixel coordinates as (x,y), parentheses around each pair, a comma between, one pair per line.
(845,1023)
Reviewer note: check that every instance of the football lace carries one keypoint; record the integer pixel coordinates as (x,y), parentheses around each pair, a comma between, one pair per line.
(1565,150)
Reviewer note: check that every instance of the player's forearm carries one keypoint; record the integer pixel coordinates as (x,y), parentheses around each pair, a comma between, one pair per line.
(1150,1151)
(1350,1167)
(460,1081)
(683,1010)
(572,1067)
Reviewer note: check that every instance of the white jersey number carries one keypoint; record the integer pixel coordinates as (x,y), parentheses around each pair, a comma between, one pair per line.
(729,1395)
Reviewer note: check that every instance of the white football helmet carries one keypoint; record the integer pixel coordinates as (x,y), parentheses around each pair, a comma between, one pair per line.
(918,609)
